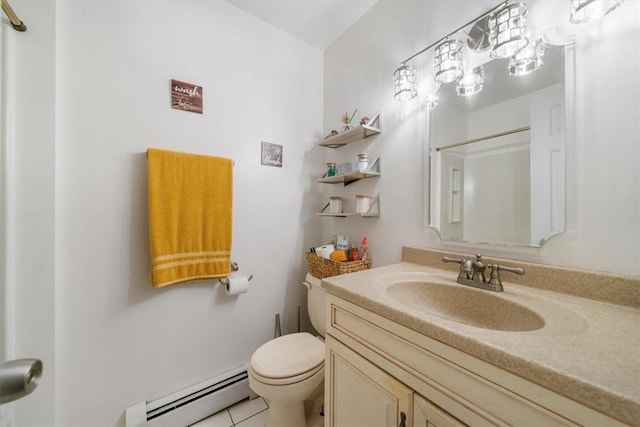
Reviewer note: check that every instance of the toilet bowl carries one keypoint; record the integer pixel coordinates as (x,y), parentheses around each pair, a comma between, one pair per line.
(289,370)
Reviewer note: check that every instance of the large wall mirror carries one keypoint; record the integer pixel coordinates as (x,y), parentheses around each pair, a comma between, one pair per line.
(497,157)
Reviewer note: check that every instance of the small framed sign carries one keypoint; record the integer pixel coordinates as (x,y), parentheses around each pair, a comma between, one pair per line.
(186,96)
(271,154)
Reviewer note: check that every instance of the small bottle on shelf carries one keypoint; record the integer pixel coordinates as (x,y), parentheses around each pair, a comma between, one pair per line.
(354,253)
(364,255)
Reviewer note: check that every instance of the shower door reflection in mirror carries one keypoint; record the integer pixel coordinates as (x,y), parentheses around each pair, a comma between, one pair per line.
(497,157)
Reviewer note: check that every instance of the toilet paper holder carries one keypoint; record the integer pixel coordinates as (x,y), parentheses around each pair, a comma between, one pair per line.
(234,267)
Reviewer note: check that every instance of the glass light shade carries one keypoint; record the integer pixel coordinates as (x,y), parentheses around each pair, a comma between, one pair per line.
(588,10)
(527,60)
(471,82)
(404,83)
(448,61)
(432,100)
(508,30)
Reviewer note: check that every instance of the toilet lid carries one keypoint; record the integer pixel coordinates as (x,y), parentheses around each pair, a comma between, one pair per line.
(288,355)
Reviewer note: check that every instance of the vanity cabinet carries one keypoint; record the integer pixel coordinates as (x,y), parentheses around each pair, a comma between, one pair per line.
(426,414)
(378,369)
(361,393)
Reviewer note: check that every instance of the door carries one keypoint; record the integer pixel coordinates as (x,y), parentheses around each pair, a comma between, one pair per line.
(426,414)
(361,394)
(17,377)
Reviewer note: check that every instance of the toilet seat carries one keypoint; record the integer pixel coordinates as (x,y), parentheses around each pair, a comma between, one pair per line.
(287,380)
(288,359)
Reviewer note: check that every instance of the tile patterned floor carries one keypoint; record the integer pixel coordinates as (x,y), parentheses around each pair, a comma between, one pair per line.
(252,413)
(248,413)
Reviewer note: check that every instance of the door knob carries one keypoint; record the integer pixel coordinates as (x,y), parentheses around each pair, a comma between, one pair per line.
(18,378)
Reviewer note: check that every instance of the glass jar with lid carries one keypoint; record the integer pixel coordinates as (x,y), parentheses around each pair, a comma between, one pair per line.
(363,161)
(363,203)
(335,204)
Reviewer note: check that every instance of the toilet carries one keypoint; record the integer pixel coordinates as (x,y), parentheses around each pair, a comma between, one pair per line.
(289,370)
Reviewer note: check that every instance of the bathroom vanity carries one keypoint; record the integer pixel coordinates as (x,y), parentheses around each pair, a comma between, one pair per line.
(408,346)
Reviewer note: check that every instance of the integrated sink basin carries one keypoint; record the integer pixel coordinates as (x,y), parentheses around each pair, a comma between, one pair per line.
(479,308)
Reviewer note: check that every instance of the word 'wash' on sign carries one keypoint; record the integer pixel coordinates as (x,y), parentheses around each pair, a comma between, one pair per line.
(186,96)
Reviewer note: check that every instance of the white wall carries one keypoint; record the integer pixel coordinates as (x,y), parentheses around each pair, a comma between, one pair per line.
(603,212)
(108,67)
(497,178)
(498,174)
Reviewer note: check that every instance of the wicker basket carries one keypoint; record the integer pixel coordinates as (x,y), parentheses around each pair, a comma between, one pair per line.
(321,267)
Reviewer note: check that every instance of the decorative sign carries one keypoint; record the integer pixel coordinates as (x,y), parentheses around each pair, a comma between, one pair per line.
(271,154)
(186,96)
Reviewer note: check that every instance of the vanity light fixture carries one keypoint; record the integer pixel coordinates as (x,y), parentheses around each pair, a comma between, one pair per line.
(432,100)
(471,82)
(448,61)
(404,83)
(506,26)
(508,30)
(588,10)
(527,60)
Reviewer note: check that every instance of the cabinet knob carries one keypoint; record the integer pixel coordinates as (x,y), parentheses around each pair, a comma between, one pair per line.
(403,418)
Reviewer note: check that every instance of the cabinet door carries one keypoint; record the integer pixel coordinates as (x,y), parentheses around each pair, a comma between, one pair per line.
(361,394)
(426,414)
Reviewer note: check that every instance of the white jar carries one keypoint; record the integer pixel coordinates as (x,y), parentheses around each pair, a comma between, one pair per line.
(363,203)
(335,205)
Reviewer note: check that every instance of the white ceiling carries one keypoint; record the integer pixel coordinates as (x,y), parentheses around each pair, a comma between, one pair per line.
(318,22)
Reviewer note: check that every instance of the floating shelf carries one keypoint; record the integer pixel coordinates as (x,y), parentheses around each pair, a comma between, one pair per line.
(346,214)
(357,133)
(373,212)
(348,177)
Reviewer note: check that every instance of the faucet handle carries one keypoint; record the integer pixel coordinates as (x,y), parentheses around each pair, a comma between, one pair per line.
(456,260)
(465,266)
(496,269)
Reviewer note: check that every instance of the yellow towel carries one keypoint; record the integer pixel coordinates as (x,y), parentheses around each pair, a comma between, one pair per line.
(190,211)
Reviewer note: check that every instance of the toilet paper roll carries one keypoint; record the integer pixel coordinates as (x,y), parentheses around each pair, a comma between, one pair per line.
(237,285)
(325,251)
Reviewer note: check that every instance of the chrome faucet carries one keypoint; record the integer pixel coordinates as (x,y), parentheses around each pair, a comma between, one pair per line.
(472,273)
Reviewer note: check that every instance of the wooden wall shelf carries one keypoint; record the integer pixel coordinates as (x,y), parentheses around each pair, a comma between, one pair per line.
(348,177)
(357,133)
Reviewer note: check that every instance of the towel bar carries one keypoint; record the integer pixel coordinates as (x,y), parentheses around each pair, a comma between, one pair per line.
(233,162)
(234,267)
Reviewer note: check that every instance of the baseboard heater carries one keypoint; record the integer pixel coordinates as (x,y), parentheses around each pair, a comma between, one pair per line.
(191,404)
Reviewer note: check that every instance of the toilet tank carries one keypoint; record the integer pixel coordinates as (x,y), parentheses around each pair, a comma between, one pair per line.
(316,298)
